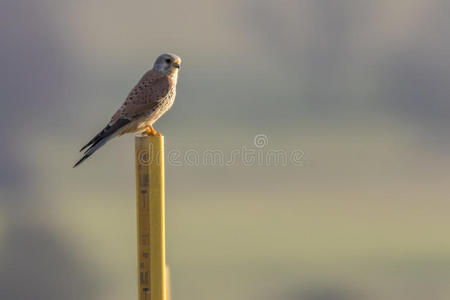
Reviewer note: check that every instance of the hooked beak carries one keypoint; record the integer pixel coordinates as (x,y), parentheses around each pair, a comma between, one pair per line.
(176,65)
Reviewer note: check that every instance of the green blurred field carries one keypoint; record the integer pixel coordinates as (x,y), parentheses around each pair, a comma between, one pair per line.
(260,233)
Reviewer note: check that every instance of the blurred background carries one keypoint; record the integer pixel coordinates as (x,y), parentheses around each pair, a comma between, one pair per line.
(361,88)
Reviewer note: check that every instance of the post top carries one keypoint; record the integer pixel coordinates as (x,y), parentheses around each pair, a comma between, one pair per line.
(143,135)
(143,140)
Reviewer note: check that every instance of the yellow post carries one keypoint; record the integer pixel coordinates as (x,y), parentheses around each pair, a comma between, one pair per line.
(150,217)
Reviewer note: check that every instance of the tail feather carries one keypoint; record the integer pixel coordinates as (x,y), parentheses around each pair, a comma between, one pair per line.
(92,149)
(100,139)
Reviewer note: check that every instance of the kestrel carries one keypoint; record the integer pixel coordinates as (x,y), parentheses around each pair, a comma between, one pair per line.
(147,102)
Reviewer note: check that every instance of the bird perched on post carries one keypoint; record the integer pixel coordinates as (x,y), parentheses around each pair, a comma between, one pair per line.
(147,102)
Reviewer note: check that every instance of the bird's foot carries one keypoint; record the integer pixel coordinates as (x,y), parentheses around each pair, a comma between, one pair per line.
(150,131)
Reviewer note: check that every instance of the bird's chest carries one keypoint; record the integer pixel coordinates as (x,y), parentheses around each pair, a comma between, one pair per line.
(167,103)
(161,108)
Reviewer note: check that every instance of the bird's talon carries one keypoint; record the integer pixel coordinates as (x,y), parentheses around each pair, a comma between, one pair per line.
(152,132)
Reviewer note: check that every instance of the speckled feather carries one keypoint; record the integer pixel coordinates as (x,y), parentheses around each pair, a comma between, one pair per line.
(147,102)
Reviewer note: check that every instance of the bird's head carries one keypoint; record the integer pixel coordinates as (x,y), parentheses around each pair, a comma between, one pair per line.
(168,64)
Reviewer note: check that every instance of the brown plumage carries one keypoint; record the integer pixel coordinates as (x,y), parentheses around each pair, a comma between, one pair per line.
(146,95)
(147,102)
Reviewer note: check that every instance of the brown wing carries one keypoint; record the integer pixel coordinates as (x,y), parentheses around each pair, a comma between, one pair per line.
(145,96)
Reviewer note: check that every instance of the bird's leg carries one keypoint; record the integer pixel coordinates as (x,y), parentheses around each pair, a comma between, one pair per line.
(155,133)
(150,131)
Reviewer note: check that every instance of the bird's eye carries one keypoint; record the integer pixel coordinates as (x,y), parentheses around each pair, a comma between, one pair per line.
(168,60)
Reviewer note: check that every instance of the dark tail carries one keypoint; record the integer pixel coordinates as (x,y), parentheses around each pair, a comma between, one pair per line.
(100,139)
